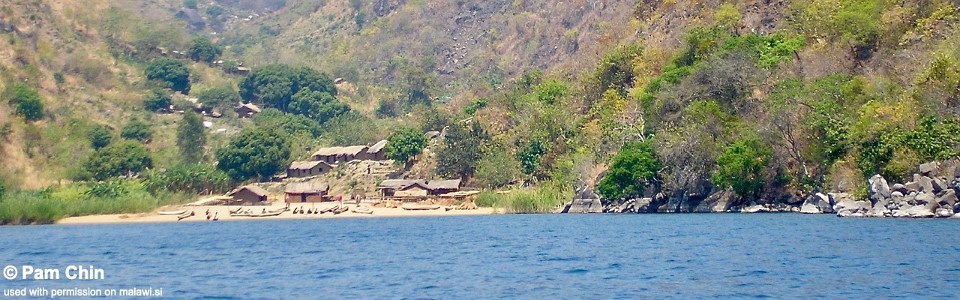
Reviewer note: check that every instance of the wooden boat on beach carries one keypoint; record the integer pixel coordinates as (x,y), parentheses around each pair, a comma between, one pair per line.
(171,212)
(264,213)
(420,207)
(363,210)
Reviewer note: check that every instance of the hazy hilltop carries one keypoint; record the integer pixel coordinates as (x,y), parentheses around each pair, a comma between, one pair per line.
(768,99)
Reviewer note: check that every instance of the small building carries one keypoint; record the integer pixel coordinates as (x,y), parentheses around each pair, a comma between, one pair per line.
(333,155)
(241,71)
(247,110)
(249,195)
(301,192)
(439,187)
(389,187)
(414,190)
(307,168)
(376,152)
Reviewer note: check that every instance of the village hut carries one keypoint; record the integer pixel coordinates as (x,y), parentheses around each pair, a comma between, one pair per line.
(333,155)
(247,110)
(439,187)
(307,168)
(376,152)
(249,195)
(299,192)
(389,187)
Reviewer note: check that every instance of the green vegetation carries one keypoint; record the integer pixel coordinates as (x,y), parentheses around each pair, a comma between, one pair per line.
(191,178)
(136,129)
(156,100)
(545,199)
(191,137)
(404,144)
(221,97)
(740,167)
(25,101)
(122,158)
(259,152)
(49,205)
(99,136)
(169,73)
(462,149)
(276,85)
(201,49)
(633,168)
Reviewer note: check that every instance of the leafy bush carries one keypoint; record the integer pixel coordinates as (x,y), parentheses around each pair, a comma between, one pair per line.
(633,168)
(351,128)
(319,106)
(171,73)
(99,136)
(219,97)
(290,124)
(740,167)
(497,169)
(137,129)
(156,100)
(25,101)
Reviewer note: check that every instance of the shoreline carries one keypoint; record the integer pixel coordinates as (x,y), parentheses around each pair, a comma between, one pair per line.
(222,212)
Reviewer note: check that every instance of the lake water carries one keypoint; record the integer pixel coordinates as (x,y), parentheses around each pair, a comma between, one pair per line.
(505,256)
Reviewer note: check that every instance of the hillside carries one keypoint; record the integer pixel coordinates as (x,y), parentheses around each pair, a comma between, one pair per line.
(764,102)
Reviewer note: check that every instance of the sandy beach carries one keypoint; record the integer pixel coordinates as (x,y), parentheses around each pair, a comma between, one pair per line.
(223,214)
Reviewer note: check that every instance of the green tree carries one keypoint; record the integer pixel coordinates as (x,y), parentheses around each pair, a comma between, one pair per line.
(497,169)
(633,169)
(191,138)
(137,129)
(156,100)
(25,101)
(275,85)
(123,158)
(404,144)
(462,149)
(99,136)
(170,73)
(259,152)
(201,49)
(290,124)
(191,4)
(740,167)
(218,97)
(214,11)
(319,106)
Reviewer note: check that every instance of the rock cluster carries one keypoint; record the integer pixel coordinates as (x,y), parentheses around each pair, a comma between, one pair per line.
(932,193)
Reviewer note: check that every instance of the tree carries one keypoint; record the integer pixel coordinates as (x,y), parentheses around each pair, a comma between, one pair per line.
(156,100)
(214,11)
(633,168)
(290,124)
(462,150)
(137,129)
(498,168)
(170,73)
(25,101)
(201,49)
(319,106)
(404,144)
(740,166)
(219,97)
(259,152)
(99,136)
(123,158)
(191,137)
(275,85)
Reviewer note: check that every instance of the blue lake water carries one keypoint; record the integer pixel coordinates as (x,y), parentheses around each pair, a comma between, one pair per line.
(506,256)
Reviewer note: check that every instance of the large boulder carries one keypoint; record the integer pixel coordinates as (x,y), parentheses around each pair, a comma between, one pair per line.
(579,206)
(754,209)
(939,185)
(825,203)
(717,202)
(912,186)
(899,187)
(810,208)
(943,213)
(915,212)
(926,184)
(947,199)
(928,169)
(878,189)
(847,206)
